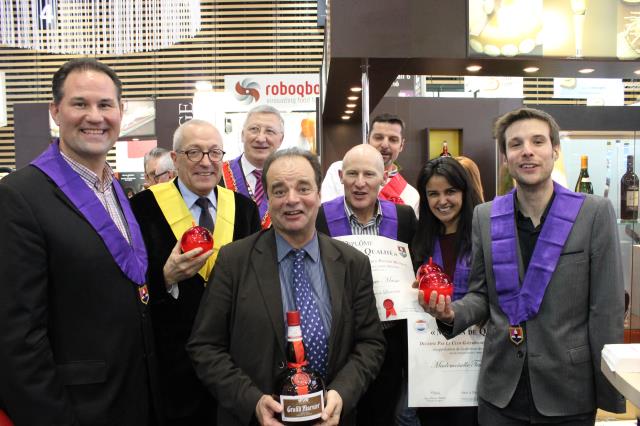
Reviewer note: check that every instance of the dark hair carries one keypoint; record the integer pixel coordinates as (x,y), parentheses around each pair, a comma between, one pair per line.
(429,227)
(81,64)
(388,118)
(292,152)
(509,118)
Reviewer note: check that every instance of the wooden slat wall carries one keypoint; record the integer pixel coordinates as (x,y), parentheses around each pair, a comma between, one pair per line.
(237,37)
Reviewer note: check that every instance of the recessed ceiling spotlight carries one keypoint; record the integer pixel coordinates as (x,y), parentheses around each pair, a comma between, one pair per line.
(346,117)
(348,111)
(352,98)
(531,69)
(586,70)
(356,89)
(474,68)
(354,105)
(637,72)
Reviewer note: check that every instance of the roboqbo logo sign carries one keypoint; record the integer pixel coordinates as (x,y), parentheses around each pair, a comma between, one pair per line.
(297,90)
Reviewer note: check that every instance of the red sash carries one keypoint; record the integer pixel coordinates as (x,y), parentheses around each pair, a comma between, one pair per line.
(392,191)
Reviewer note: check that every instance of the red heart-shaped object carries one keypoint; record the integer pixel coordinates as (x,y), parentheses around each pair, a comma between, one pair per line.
(427,268)
(196,236)
(438,282)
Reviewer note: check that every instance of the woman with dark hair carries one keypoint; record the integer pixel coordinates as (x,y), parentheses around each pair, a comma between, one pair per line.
(447,199)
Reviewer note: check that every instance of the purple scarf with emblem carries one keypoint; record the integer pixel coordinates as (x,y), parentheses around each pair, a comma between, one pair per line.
(132,259)
(338,222)
(461,273)
(521,303)
(243,187)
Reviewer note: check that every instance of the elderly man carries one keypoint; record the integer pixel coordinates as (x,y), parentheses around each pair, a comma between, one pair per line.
(76,346)
(238,340)
(546,275)
(361,212)
(152,159)
(386,135)
(176,279)
(262,134)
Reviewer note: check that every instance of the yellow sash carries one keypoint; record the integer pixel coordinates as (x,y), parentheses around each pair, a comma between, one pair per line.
(179,217)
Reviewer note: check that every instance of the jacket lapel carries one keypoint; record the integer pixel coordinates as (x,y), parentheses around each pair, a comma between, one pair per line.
(334,271)
(265,267)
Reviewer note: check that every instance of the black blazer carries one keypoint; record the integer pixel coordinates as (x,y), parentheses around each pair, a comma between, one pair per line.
(182,393)
(76,345)
(407,223)
(238,339)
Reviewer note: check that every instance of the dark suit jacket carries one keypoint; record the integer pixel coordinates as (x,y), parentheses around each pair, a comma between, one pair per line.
(407,223)
(76,345)
(238,339)
(582,310)
(173,318)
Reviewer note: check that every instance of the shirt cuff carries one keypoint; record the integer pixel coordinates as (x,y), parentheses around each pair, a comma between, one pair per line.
(174,291)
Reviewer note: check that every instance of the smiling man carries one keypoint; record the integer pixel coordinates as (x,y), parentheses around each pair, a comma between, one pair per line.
(238,341)
(262,134)
(546,276)
(176,279)
(76,346)
(386,135)
(361,212)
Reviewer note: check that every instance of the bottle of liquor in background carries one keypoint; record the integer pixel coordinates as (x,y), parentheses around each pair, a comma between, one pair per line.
(629,186)
(301,389)
(445,150)
(584,182)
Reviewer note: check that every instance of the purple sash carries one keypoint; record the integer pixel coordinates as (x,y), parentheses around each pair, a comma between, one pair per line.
(522,303)
(243,188)
(461,273)
(132,259)
(338,222)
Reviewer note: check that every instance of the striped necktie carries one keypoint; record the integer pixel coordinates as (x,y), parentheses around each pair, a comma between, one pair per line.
(259,192)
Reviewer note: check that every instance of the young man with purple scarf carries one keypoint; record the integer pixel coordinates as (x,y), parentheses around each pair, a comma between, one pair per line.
(76,346)
(361,212)
(546,275)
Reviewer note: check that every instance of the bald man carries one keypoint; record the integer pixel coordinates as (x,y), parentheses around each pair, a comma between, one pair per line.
(361,212)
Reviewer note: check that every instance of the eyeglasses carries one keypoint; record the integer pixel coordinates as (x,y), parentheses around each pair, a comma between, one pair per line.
(156,178)
(196,155)
(268,131)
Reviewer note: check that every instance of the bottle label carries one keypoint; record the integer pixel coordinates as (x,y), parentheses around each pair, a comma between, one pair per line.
(294,332)
(300,408)
(585,179)
(632,200)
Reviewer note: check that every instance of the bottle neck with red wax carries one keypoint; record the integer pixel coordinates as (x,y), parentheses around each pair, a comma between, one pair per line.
(295,346)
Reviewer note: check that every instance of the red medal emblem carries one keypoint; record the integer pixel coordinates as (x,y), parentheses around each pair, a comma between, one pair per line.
(143,292)
(516,334)
(388,306)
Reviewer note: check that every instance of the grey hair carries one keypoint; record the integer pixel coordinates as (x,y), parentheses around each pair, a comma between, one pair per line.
(264,109)
(293,152)
(177,135)
(154,153)
(165,163)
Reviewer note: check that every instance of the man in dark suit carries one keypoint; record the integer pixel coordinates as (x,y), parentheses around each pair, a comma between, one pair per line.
(238,340)
(176,279)
(76,341)
(361,212)
(546,275)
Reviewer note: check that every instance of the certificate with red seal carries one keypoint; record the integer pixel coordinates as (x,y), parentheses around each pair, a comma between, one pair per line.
(392,273)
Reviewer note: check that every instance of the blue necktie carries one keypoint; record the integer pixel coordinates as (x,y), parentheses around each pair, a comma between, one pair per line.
(313,332)
(206,220)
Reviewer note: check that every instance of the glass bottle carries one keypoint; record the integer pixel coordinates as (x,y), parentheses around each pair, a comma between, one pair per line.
(445,150)
(301,388)
(629,187)
(584,182)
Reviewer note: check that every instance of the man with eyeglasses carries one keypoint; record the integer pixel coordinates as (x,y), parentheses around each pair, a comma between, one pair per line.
(165,169)
(151,161)
(262,134)
(177,280)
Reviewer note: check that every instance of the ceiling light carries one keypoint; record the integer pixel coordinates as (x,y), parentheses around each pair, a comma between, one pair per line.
(346,117)
(354,105)
(356,89)
(474,68)
(352,98)
(637,72)
(586,70)
(531,69)
(348,111)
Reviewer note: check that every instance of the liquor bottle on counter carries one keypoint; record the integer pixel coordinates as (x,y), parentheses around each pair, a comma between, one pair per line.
(629,186)
(584,182)
(445,150)
(301,388)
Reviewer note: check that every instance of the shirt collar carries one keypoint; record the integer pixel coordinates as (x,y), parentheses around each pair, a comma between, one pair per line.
(190,197)
(247,167)
(377,213)
(521,215)
(89,176)
(284,248)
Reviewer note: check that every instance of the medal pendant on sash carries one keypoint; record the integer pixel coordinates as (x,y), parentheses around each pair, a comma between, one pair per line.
(516,334)
(143,292)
